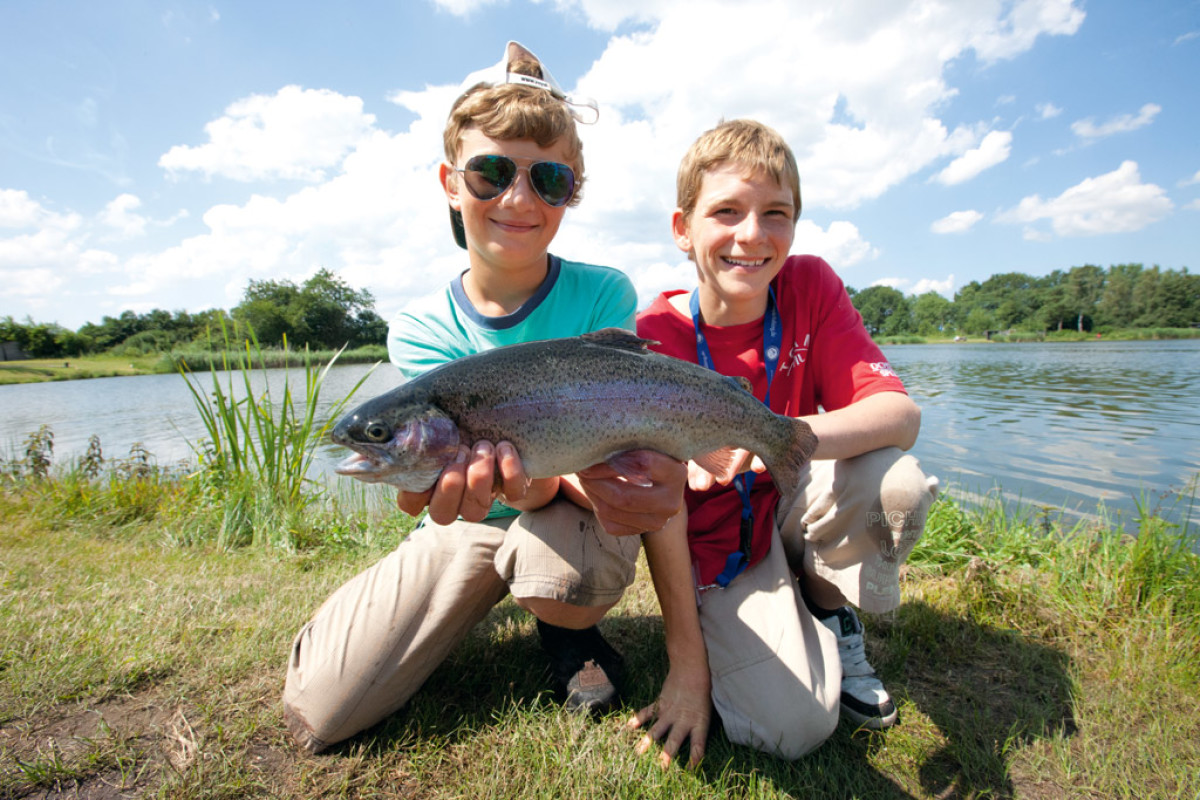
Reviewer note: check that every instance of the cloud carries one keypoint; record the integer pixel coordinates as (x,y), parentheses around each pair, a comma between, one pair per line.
(19,210)
(1192,181)
(1015,32)
(841,244)
(957,222)
(945,288)
(1116,202)
(1048,110)
(463,8)
(295,134)
(119,215)
(1089,130)
(993,150)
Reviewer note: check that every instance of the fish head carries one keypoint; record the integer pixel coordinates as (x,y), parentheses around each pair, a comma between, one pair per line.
(406,446)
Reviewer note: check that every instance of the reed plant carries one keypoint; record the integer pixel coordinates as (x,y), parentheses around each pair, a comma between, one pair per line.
(253,481)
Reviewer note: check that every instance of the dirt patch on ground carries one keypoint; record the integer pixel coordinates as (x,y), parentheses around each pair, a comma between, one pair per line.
(121,747)
(105,749)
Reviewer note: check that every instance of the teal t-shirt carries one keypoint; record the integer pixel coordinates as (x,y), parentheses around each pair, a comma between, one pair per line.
(574,299)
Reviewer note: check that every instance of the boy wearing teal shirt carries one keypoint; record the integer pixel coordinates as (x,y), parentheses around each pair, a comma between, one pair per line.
(513,164)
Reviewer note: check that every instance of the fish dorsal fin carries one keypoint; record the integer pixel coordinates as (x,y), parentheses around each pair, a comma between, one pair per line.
(618,338)
(741,382)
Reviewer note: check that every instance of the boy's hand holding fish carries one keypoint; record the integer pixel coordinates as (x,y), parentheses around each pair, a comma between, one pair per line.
(488,472)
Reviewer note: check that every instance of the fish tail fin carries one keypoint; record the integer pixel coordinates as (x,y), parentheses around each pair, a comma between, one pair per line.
(785,467)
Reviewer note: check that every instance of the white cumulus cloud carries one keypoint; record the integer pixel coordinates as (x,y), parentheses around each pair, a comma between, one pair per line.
(944,287)
(1088,129)
(294,134)
(957,222)
(1116,202)
(993,150)
(1048,110)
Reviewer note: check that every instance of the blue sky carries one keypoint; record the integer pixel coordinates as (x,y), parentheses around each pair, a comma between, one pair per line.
(161,155)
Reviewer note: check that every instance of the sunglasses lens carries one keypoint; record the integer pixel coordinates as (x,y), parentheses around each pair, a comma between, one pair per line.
(554,182)
(489,176)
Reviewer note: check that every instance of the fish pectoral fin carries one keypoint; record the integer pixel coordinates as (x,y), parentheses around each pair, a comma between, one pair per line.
(721,463)
(631,467)
(618,338)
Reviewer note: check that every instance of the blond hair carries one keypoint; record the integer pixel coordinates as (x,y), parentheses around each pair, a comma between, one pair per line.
(514,111)
(749,144)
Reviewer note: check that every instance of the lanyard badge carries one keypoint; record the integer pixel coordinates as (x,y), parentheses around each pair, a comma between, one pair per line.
(772,343)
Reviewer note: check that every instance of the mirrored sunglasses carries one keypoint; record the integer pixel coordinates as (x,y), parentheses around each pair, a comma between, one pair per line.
(489,176)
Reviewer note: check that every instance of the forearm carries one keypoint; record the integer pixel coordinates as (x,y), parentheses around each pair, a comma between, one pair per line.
(887,419)
(671,571)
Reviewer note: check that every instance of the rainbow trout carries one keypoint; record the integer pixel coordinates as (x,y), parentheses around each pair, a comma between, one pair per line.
(566,404)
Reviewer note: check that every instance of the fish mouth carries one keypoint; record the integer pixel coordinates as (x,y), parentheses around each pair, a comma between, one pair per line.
(365,466)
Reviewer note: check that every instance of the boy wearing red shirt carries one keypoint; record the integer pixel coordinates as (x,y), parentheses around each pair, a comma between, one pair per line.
(772,640)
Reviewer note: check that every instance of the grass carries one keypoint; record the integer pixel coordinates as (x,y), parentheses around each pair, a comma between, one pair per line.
(138,661)
(37,370)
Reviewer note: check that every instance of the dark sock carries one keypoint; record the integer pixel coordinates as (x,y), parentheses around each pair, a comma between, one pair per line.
(813,608)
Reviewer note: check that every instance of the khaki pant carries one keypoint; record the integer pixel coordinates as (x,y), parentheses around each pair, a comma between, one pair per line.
(776,676)
(373,643)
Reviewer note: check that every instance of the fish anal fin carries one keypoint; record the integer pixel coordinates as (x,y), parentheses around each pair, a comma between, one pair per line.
(720,463)
(618,338)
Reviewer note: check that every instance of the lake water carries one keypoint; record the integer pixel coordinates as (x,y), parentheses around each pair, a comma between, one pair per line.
(1068,426)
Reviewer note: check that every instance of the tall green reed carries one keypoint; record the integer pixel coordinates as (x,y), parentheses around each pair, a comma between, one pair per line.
(260,446)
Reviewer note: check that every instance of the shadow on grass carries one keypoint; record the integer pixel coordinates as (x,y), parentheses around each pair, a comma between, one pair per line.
(972,694)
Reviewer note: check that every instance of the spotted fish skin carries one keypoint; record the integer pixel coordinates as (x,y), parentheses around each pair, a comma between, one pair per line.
(566,404)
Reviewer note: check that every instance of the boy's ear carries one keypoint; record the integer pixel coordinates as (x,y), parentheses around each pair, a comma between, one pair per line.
(449,179)
(681,232)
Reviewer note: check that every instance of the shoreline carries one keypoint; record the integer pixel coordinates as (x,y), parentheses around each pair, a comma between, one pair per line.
(48,370)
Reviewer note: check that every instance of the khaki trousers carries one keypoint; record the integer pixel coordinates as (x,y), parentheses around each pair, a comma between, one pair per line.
(776,675)
(372,644)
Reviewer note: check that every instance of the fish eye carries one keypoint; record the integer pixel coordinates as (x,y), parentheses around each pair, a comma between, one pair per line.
(376,431)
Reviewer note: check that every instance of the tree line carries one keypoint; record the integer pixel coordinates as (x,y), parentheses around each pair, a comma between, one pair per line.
(1086,298)
(323,313)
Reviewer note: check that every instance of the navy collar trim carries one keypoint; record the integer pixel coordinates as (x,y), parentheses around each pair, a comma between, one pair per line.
(508,320)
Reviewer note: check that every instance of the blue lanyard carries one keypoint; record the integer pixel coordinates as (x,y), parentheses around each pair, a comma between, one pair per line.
(772,343)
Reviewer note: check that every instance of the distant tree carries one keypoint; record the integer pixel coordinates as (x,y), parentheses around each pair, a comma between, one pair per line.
(884,310)
(1057,310)
(979,321)
(324,312)
(1085,285)
(1177,300)
(1115,308)
(71,343)
(269,308)
(932,314)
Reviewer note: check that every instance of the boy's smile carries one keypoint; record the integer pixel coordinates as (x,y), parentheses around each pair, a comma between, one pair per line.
(739,236)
